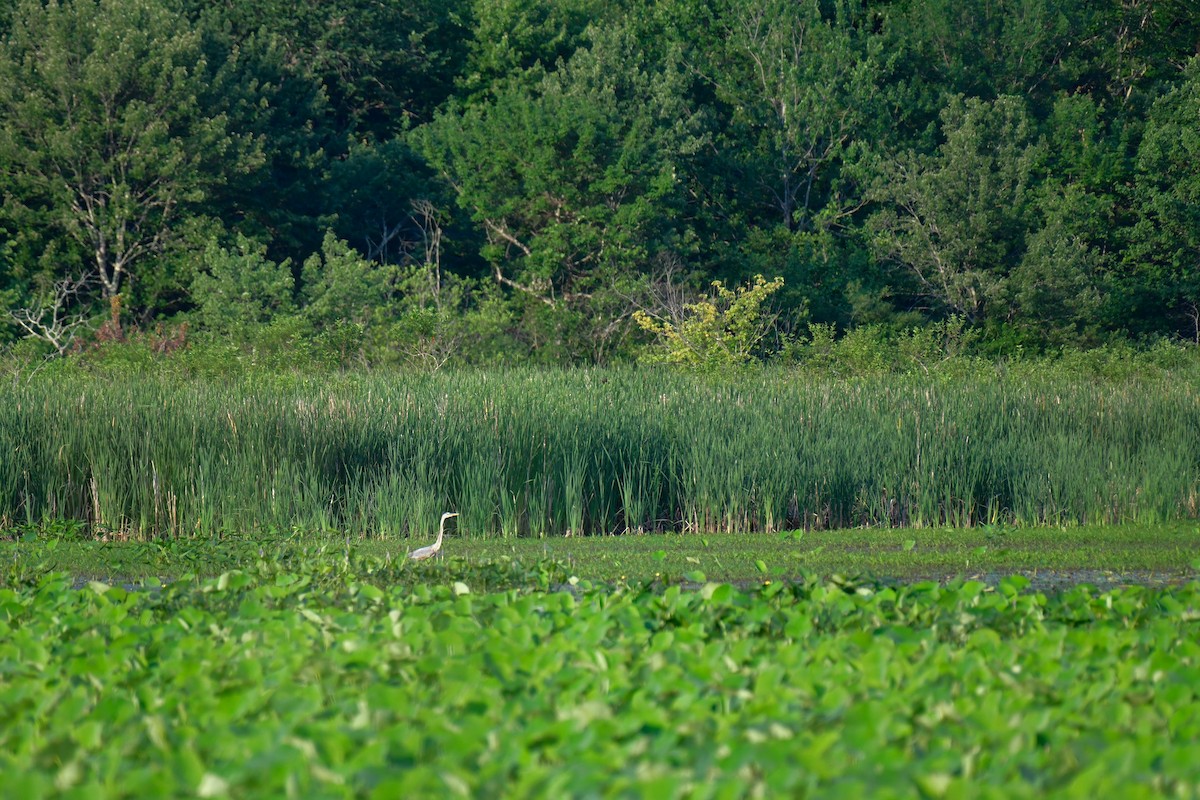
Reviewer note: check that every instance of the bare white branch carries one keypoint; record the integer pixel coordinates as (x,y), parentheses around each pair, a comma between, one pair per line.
(58,320)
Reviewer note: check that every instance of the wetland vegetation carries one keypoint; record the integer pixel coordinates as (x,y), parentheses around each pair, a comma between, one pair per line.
(818,385)
(337,675)
(535,453)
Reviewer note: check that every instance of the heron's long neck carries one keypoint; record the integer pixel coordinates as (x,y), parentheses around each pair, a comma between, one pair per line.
(441,530)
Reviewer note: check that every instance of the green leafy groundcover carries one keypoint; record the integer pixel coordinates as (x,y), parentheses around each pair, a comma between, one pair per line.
(333,676)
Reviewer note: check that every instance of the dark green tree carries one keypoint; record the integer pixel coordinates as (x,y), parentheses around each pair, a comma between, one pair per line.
(1058,293)
(520,40)
(795,95)
(1135,47)
(956,221)
(381,195)
(237,290)
(1162,270)
(105,140)
(330,88)
(988,48)
(576,182)
(801,87)
(381,66)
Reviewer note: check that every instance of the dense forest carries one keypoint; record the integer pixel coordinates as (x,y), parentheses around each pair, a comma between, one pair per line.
(486,181)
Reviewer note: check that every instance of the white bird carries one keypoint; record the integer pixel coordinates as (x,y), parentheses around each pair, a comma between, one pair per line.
(432,550)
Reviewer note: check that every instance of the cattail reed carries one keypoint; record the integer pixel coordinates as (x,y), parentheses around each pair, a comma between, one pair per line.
(526,452)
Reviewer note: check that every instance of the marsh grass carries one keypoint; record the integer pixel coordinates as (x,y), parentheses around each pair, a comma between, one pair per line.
(522,453)
(1114,555)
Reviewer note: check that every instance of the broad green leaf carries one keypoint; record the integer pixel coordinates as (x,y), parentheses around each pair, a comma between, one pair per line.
(212,786)
(718,593)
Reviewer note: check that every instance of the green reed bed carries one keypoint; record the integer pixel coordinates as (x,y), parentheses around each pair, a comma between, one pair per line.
(590,452)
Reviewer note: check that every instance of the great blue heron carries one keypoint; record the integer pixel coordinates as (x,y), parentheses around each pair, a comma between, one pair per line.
(432,550)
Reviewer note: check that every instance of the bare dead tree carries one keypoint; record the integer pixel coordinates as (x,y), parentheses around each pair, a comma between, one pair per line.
(426,244)
(1191,310)
(378,249)
(59,320)
(667,294)
(425,216)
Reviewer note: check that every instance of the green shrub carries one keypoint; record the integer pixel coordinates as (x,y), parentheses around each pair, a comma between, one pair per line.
(238,291)
(726,329)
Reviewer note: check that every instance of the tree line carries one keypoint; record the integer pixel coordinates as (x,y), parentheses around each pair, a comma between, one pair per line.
(500,180)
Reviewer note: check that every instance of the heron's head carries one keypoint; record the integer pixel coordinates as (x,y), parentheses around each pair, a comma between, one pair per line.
(447,516)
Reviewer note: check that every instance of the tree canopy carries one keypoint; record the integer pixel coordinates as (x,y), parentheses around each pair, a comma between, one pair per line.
(517,179)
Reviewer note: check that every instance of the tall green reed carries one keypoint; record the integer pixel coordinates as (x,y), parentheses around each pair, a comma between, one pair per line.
(526,452)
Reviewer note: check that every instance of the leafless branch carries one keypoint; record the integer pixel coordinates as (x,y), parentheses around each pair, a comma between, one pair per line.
(377,249)
(425,215)
(1192,311)
(501,232)
(666,296)
(55,322)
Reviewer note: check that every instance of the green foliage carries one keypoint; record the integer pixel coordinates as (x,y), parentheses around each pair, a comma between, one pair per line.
(726,330)
(329,674)
(104,132)
(801,83)
(523,39)
(240,290)
(380,65)
(576,178)
(445,319)
(341,286)
(1061,292)
(384,198)
(1165,258)
(956,220)
(987,49)
(1026,165)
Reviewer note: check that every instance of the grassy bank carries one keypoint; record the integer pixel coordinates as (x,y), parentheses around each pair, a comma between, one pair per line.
(592,452)
(1091,554)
